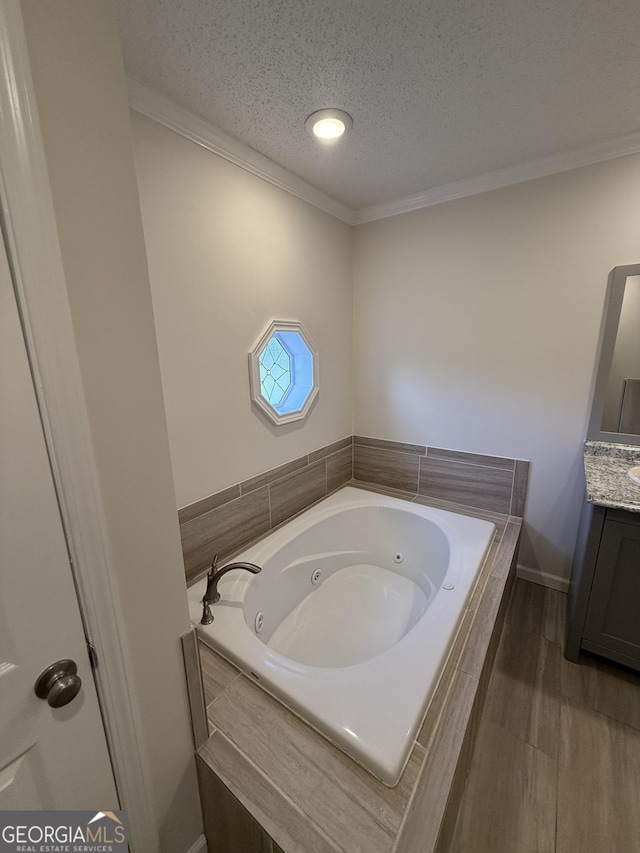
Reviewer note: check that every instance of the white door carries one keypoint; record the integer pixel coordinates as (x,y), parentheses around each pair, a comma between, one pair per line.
(50,757)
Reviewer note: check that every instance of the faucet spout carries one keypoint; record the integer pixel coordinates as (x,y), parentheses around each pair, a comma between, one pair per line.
(212,595)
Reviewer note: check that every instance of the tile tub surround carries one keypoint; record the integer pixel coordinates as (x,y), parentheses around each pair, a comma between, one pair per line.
(195,688)
(495,483)
(606,466)
(230,520)
(307,794)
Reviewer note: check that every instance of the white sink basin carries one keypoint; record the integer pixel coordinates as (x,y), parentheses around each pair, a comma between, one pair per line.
(634,474)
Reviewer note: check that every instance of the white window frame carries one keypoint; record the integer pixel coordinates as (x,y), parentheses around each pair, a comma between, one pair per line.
(275,416)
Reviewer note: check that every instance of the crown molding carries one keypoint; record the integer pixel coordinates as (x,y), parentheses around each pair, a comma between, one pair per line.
(622,146)
(155,106)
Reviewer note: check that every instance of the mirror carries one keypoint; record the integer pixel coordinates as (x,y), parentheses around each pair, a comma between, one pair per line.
(615,414)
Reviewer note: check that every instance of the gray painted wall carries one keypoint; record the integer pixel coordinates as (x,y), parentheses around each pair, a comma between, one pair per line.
(476,327)
(74,52)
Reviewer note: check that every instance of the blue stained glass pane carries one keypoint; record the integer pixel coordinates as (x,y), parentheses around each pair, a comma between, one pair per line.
(283,360)
(267,388)
(275,371)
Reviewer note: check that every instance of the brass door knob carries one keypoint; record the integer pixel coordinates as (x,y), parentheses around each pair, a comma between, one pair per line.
(58,684)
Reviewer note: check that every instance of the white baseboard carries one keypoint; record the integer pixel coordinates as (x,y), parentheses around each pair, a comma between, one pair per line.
(543,578)
(199,845)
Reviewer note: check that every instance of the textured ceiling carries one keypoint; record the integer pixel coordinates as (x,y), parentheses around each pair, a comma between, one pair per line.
(439,90)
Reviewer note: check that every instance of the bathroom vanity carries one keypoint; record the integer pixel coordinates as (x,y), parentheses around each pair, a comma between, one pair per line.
(604,597)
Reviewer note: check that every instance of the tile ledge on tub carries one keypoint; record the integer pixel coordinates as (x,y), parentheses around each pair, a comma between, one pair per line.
(331,449)
(389,445)
(466,457)
(432,788)
(500,519)
(261,811)
(203,505)
(464,509)
(383,490)
(267,478)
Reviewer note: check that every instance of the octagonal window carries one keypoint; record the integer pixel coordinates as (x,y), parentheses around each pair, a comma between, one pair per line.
(283,370)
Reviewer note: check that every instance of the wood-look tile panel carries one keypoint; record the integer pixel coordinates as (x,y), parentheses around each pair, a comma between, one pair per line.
(456,794)
(382,490)
(339,468)
(525,689)
(421,825)
(598,784)
(498,518)
(508,551)
(470,646)
(400,794)
(356,810)
(386,468)
(503,462)
(520,483)
(604,687)
(195,690)
(296,492)
(472,485)
(227,824)
(384,444)
(478,591)
(285,822)
(509,805)
(492,649)
(441,696)
(217,673)
(273,475)
(538,610)
(224,530)
(485,617)
(207,504)
(329,449)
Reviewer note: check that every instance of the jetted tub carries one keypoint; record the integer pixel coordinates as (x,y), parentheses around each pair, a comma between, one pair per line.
(352,618)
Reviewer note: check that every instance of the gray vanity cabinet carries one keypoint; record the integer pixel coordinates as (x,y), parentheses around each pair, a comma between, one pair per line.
(604,600)
(612,623)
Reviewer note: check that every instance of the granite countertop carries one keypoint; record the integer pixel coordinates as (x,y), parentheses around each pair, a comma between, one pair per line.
(606,466)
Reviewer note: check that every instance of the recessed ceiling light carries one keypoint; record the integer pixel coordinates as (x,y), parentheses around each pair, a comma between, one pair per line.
(328,125)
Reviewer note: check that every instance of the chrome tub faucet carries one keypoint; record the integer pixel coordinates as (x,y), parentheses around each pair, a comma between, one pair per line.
(212,595)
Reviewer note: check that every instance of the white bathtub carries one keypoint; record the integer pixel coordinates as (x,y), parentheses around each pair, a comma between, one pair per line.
(358,654)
